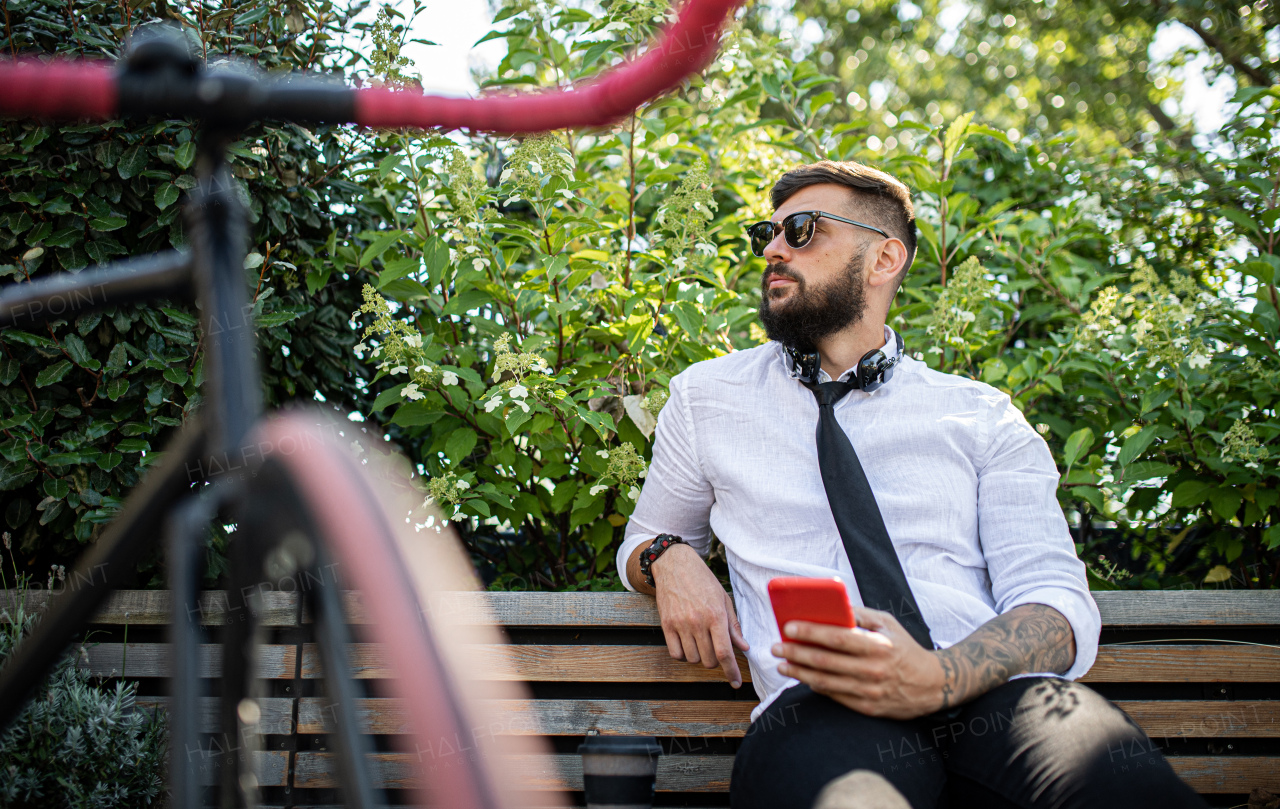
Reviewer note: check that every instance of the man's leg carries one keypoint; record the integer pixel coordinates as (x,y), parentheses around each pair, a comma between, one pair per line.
(1046,743)
(804,740)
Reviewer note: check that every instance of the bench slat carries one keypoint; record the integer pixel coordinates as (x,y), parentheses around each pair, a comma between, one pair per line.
(563,717)
(1118,608)
(1225,663)
(145,660)
(277,713)
(270,766)
(1169,719)
(611,664)
(1189,608)
(711,773)
(1259,719)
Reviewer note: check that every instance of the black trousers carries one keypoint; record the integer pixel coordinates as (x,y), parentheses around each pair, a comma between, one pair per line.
(1032,743)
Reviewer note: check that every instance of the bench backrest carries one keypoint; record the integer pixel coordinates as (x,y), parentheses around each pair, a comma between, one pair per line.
(1198,670)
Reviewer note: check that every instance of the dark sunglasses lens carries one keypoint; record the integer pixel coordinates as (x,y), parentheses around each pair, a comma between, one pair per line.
(761,234)
(799,229)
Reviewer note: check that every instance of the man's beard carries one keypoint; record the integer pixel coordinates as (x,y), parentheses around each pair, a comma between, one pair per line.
(809,314)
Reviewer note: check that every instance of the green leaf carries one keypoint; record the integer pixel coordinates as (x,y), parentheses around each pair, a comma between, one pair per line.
(108,223)
(405,290)
(1225,501)
(316,279)
(993,370)
(387,397)
(379,245)
(78,350)
(1272,537)
(1092,496)
(1136,444)
(990,132)
(185,154)
(132,445)
(416,414)
(1146,470)
(436,258)
(1191,493)
(396,269)
(272,319)
(56,487)
(955,136)
(132,162)
(52,374)
(109,460)
(389,164)
(459,444)
(1078,443)
(515,419)
(176,374)
(166,195)
(465,302)
(116,388)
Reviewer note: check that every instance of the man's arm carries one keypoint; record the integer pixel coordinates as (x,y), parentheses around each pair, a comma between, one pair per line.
(1028,638)
(698,619)
(886,673)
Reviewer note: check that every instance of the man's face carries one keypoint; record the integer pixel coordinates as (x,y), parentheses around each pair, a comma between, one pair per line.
(811,292)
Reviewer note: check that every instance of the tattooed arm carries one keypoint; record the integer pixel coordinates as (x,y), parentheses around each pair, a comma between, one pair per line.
(1027,638)
(886,673)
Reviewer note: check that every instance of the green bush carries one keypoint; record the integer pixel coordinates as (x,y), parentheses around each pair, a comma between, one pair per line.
(76,744)
(86,404)
(529,299)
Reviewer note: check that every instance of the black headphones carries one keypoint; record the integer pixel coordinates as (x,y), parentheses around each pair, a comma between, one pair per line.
(874,369)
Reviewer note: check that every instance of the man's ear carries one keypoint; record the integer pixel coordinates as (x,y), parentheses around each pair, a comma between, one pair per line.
(889,257)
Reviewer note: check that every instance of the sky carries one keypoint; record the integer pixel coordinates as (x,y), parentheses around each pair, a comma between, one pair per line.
(457,24)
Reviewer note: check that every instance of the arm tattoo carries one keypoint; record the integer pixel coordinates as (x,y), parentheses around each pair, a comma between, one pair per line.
(1030,637)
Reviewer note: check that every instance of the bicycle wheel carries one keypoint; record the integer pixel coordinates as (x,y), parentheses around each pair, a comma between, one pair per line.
(397,573)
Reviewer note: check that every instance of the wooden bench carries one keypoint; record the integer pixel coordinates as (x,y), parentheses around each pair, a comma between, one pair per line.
(1198,670)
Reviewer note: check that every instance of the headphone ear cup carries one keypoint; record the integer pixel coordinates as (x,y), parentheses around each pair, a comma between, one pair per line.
(869,370)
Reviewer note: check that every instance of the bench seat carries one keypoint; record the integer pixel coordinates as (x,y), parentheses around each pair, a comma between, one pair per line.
(1199,671)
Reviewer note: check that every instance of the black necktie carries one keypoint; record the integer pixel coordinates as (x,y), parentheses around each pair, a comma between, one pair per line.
(874,561)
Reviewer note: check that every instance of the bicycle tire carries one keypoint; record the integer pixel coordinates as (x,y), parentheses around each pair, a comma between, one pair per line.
(433,682)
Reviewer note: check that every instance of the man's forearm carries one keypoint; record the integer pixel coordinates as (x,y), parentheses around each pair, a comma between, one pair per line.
(1027,638)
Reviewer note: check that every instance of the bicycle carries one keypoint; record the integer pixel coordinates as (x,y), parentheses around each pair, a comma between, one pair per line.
(309,506)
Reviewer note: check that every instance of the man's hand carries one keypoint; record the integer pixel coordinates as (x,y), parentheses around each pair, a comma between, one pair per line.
(886,673)
(698,618)
(881,673)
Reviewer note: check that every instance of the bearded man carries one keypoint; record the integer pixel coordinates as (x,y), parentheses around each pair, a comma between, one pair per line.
(929,495)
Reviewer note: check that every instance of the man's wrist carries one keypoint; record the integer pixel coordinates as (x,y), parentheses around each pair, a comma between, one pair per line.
(659,546)
(657,565)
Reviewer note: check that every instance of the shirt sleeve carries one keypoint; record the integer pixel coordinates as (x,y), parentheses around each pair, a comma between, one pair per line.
(676,497)
(1030,555)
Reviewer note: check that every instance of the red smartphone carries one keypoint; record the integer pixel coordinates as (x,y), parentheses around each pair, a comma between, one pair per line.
(801,598)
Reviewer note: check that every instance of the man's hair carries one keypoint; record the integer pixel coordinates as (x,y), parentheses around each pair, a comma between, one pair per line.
(886,200)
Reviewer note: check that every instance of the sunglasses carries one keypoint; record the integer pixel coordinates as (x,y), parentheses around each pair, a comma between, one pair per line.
(798,228)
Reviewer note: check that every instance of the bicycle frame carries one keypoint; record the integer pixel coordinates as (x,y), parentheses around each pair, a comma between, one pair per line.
(165,504)
(161,77)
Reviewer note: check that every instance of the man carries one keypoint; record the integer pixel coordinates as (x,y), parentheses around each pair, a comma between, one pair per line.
(963,692)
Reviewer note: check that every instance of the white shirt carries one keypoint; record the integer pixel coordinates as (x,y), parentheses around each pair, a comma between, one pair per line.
(966,487)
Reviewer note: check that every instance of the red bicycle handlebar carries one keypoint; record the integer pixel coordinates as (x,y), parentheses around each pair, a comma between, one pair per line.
(86,89)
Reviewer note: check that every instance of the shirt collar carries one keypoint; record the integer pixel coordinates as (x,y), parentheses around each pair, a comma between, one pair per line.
(890,349)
